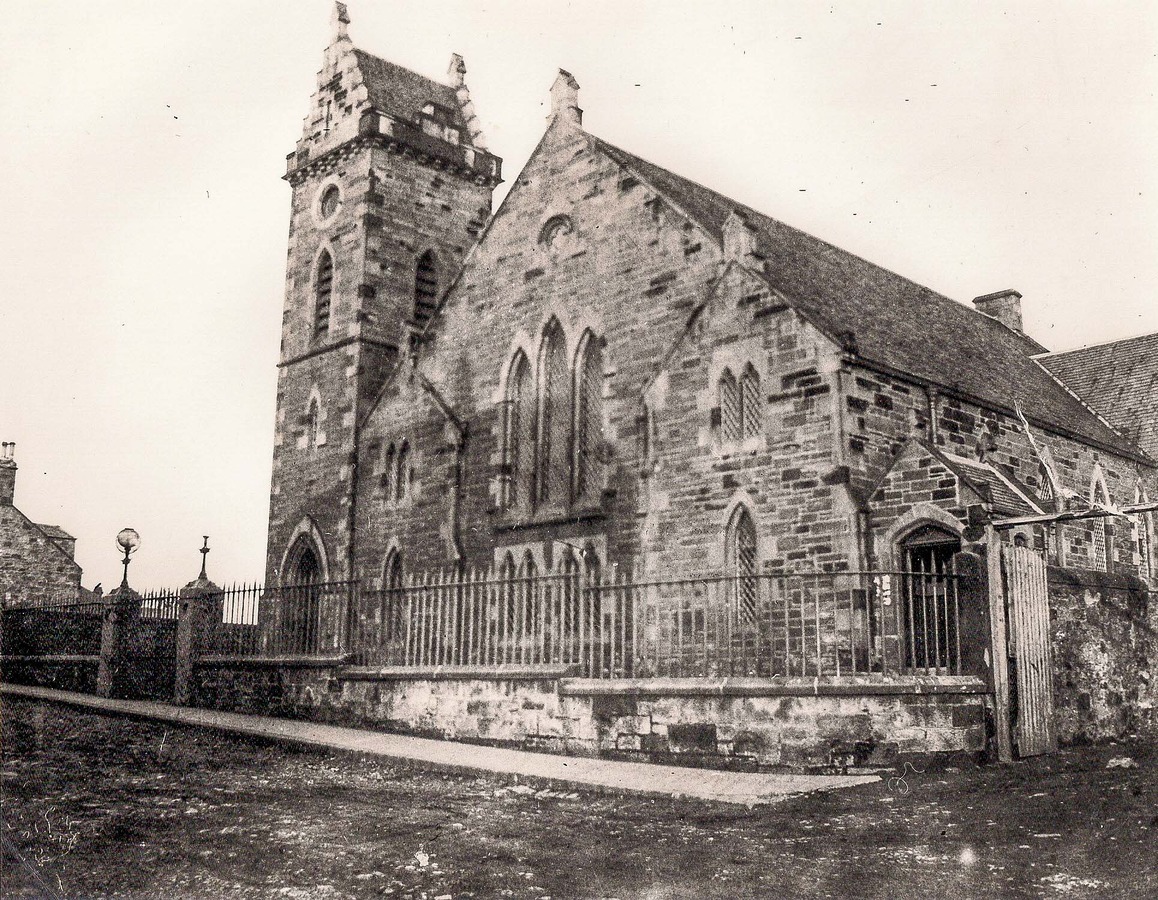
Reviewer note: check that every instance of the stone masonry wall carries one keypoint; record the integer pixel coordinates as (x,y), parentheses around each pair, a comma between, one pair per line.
(1105,648)
(630,271)
(393,208)
(882,412)
(795,729)
(786,476)
(33,567)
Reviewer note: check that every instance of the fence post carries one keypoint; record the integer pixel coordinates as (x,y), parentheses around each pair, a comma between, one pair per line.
(120,608)
(194,619)
(998,646)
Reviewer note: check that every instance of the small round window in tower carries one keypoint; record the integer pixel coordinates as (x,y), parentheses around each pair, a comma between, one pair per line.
(556,233)
(330,200)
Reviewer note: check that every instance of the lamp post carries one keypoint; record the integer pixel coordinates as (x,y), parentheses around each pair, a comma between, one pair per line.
(128,540)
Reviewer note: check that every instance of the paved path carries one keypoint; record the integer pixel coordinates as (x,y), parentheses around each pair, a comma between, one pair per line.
(600,774)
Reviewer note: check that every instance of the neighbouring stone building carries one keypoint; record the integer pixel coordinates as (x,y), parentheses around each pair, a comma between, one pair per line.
(626,362)
(36,561)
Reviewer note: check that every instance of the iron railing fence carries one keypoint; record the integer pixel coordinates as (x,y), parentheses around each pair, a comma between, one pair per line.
(52,629)
(287,620)
(599,625)
(611,626)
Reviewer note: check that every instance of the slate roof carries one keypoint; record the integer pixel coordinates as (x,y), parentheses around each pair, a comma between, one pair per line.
(55,532)
(893,322)
(1007,497)
(401,92)
(1120,381)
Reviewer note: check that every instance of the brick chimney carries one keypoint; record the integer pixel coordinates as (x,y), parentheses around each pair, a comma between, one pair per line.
(1004,306)
(7,473)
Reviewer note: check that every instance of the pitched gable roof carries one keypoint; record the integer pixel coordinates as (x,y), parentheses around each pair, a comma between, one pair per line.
(402,93)
(55,532)
(892,321)
(1119,380)
(1005,495)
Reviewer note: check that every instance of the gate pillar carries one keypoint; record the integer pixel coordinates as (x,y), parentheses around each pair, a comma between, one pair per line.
(194,620)
(120,607)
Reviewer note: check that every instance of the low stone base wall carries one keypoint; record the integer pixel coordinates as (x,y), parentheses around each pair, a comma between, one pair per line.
(795,723)
(64,673)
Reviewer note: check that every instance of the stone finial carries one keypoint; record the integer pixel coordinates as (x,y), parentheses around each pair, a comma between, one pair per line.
(456,72)
(1004,306)
(740,241)
(340,23)
(456,78)
(565,99)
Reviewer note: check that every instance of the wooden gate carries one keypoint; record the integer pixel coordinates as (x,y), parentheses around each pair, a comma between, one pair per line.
(1030,649)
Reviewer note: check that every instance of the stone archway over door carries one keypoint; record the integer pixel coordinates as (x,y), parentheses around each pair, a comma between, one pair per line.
(1030,650)
(301,602)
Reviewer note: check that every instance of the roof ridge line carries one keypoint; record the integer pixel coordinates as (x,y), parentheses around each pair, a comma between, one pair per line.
(1065,387)
(828,246)
(1134,337)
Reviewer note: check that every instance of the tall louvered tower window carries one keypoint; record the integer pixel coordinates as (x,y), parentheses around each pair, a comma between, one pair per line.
(323,289)
(425,289)
(588,417)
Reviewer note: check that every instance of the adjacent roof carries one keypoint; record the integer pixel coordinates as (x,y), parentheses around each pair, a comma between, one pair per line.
(56,533)
(1120,381)
(401,92)
(890,320)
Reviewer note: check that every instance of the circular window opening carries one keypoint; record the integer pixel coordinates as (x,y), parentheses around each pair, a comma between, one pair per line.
(331,200)
(555,231)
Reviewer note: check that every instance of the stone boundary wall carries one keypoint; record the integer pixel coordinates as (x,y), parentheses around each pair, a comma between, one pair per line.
(63,673)
(1105,647)
(743,723)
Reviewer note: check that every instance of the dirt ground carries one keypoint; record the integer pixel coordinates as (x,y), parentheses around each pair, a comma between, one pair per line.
(97,806)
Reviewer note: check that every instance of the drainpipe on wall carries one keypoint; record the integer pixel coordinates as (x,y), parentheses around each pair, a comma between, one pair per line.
(456,494)
(931,397)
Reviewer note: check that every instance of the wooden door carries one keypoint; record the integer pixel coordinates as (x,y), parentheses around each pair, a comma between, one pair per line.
(1030,649)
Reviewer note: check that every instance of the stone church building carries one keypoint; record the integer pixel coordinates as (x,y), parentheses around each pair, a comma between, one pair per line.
(623,368)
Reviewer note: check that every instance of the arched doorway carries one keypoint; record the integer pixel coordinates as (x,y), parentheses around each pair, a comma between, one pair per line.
(930,613)
(301,598)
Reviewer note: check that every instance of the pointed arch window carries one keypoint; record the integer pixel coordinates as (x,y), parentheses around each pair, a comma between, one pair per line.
(750,424)
(1101,530)
(1143,537)
(508,610)
(388,468)
(553,460)
(528,597)
(425,288)
(519,434)
(588,416)
(312,424)
(392,581)
(402,475)
(742,564)
(323,290)
(730,422)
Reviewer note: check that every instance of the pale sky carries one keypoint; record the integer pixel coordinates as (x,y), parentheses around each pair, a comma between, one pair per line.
(970,146)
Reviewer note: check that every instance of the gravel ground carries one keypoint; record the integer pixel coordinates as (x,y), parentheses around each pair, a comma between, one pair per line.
(97,806)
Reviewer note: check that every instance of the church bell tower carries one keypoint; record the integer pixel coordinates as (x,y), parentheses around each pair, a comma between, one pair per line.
(391,186)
